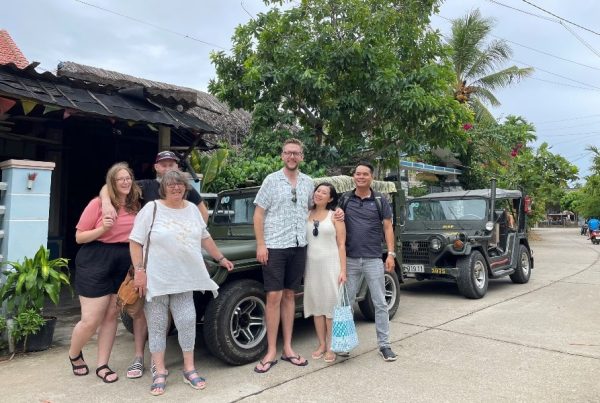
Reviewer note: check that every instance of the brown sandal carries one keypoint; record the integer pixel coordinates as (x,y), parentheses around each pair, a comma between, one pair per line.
(106,374)
(77,367)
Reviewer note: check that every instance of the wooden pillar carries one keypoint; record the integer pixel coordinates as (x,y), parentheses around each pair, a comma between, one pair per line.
(164,138)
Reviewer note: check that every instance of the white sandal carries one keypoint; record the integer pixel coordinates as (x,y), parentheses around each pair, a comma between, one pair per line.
(136,369)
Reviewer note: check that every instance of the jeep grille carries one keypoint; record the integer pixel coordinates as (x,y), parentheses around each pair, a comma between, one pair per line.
(415,252)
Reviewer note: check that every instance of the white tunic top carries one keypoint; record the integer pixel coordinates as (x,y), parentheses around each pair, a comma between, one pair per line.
(175,263)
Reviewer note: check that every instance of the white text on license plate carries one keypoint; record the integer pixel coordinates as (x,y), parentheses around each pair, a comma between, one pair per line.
(414,268)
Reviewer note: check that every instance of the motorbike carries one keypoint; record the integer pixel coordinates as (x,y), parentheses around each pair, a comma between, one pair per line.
(595,236)
(584,229)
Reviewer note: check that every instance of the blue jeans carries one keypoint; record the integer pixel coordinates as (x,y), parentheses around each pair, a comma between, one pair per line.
(373,271)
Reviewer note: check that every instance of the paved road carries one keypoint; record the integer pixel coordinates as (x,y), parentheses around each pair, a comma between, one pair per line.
(537,342)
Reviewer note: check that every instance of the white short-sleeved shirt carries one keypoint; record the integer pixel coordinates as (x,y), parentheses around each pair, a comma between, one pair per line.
(175,263)
(285,220)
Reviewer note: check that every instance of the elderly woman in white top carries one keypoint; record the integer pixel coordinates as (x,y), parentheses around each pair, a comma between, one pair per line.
(175,268)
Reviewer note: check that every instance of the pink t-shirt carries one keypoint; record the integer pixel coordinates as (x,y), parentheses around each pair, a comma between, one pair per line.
(91,218)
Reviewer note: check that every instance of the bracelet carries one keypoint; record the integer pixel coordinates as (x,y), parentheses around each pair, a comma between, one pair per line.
(140,268)
(219,260)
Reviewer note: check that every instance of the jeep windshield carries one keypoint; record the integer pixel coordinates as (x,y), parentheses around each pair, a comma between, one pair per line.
(446,210)
(235,209)
(233,215)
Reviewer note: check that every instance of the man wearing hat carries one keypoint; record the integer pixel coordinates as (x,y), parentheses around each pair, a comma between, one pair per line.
(165,161)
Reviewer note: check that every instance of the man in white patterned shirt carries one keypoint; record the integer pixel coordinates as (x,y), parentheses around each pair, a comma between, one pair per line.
(282,205)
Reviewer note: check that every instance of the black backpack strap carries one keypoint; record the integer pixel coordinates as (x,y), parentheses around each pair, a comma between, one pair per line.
(343,201)
(345,198)
(379,204)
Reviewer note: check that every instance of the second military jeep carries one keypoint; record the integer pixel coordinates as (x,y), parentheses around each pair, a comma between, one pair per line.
(468,237)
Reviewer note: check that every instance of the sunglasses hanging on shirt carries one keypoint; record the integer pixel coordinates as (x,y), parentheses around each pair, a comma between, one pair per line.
(316,228)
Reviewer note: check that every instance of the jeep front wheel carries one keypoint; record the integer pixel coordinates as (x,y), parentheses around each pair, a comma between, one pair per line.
(472,277)
(235,328)
(392,298)
(523,269)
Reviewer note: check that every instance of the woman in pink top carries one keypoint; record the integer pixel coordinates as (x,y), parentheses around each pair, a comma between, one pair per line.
(101,265)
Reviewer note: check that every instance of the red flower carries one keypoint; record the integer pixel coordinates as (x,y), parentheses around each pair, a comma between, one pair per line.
(467,126)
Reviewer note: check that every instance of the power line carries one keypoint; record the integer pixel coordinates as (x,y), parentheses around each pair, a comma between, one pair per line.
(562,129)
(534,49)
(574,118)
(580,39)
(522,11)
(547,54)
(563,84)
(555,74)
(561,18)
(150,24)
(588,134)
(244,8)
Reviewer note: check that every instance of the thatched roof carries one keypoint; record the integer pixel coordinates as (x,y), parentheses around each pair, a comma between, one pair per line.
(234,124)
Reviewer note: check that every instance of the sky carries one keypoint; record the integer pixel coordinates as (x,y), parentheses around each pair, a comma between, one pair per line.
(171,42)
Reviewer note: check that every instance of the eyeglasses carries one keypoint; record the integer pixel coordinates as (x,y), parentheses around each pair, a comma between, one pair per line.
(123,180)
(292,154)
(174,185)
(316,228)
(294,198)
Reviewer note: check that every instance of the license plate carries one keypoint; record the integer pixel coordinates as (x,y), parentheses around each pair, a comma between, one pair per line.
(414,268)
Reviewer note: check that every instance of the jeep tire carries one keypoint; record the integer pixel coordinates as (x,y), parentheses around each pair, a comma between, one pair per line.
(392,298)
(472,277)
(235,328)
(523,269)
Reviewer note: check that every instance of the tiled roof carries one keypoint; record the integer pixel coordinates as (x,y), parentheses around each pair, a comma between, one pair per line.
(9,51)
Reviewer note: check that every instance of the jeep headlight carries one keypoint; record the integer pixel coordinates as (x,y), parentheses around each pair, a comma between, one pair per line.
(435,244)
(489,225)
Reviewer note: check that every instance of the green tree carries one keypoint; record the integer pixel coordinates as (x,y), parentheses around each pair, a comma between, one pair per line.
(478,64)
(351,75)
(241,171)
(541,174)
(590,193)
(572,201)
(491,148)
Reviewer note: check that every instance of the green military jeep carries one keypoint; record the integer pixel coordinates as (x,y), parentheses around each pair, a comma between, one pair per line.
(467,237)
(234,326)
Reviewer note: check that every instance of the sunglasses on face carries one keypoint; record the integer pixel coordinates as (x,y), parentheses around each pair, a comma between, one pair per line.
(294,198)
(316,228)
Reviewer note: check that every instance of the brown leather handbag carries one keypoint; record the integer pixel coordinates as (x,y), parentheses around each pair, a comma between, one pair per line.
(128,299)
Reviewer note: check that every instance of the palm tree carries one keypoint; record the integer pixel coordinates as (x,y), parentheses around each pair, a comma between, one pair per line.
(476,63)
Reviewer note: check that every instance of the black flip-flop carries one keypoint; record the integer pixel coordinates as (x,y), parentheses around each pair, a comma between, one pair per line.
(297,358)
(269,363)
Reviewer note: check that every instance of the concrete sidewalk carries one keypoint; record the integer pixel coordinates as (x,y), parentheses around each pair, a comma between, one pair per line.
(535,342)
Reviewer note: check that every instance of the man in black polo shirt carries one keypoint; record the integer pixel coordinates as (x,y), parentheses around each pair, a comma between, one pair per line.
(364,232)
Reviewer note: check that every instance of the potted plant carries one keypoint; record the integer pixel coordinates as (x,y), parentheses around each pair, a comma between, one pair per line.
(26,287)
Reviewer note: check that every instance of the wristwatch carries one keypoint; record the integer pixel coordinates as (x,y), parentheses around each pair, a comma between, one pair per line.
(392,254)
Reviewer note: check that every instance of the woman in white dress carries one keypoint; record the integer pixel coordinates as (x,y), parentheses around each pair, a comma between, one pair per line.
(325,266)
